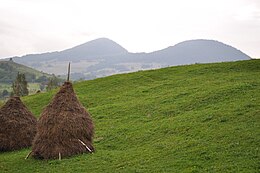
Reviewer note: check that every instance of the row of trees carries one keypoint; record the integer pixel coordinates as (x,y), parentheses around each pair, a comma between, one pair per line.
(20,86)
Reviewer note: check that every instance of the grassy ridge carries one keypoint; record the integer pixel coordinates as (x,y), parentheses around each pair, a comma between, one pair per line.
(198,118)
(8,74)
(9,70)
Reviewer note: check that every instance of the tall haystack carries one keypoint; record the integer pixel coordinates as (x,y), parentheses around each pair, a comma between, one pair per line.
(65,127)
(18,125)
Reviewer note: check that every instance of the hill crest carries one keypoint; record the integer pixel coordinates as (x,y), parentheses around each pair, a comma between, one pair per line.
(9,70)
(103,57)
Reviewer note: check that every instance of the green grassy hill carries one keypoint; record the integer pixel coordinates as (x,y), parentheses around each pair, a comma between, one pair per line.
(197,118)
(9,70)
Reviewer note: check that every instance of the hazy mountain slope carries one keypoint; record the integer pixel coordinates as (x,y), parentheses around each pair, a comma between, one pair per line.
(101,47)
(88,51)
(197,118)
(103,57)
(198,51)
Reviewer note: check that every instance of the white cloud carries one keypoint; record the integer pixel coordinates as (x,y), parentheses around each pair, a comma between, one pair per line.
(30,26)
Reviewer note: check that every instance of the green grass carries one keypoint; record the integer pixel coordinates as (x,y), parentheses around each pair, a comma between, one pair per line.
(9,70)
(197,118)
(5,86)
(32,87)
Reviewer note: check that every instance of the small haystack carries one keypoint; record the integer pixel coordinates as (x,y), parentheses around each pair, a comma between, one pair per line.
(65,127)
(17,125)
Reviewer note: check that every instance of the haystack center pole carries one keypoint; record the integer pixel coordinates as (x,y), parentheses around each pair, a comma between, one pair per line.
(68,78)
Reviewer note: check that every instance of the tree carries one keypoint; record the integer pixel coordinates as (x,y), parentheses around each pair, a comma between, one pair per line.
(42,86)
(25,90)
(20,85)
(5,93)
(42,79)
(53,83)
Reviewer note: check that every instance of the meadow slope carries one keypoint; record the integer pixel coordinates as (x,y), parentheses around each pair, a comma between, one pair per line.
(196,118)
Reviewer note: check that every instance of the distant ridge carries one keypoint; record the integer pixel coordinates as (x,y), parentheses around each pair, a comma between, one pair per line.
(103,57)
(199,51)
(99,47)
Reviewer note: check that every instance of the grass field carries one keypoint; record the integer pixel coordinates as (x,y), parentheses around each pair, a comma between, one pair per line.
(197,118)
(32,87)
(4,86)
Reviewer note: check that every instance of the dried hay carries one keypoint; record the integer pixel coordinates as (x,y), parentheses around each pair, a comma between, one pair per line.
(18,125)
(63,128)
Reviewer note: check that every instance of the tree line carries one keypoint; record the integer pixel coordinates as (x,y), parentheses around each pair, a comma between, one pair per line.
(20,86)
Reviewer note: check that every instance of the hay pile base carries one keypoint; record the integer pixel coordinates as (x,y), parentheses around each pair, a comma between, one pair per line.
(18,125)
(63,128)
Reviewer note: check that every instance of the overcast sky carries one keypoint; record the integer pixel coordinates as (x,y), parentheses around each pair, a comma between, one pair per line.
(36,26)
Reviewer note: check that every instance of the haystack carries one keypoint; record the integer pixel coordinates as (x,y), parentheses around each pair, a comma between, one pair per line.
(18,125)
(65,127)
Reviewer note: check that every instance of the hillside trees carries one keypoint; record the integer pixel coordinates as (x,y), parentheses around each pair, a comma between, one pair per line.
(5,93)
(53,83)
(20,85)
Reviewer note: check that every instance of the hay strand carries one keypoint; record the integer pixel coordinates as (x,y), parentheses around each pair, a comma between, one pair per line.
(85,145)
(28,155)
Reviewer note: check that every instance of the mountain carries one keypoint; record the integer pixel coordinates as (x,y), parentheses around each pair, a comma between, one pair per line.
(9,70)
(101,47)
(91,50)
(103,57)
(198,51)
(197,118)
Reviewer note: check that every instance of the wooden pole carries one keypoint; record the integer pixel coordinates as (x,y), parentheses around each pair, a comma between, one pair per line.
(68,78)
